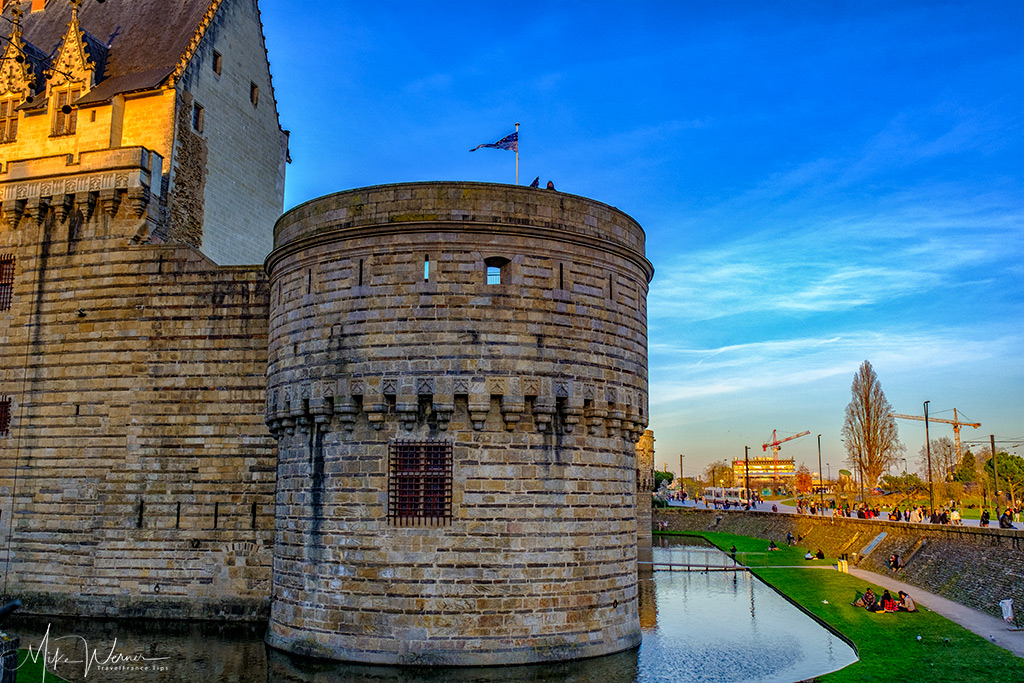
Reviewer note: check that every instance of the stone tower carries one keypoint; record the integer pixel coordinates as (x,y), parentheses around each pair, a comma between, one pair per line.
(457,376)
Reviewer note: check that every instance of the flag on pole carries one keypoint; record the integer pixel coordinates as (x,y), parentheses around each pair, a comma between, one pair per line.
(508,142)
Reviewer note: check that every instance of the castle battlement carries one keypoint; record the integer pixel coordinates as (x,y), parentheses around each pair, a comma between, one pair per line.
(93,161)
(407,207)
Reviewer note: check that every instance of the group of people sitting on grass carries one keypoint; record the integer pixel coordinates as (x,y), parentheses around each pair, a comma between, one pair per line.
(789,540)
(869,601)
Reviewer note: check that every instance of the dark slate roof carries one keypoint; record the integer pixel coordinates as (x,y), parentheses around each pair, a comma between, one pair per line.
(143,40)
(97,52)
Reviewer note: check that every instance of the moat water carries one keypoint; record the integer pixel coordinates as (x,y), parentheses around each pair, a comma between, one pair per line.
(725,627)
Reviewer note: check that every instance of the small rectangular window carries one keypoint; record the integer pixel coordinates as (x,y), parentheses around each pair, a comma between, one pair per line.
(420,482)
(254,94)
(5,415)
(218,62)
(198,116)
(8,120)
(494,265)
(6,280)
(426,268)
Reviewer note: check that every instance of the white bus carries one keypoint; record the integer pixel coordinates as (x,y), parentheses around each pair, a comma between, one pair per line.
(733,496)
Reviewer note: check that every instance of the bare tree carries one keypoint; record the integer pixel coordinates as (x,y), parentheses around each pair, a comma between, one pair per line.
(719,473)
(944,461)
(870,433)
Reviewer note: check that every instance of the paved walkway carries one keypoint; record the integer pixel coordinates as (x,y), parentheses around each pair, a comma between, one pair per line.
(985,625)
(791,510)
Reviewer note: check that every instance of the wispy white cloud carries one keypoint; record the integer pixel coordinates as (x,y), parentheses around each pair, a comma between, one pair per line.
(841,262)
(682,374)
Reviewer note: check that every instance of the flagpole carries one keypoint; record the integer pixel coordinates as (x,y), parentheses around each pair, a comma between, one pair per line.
(517,152)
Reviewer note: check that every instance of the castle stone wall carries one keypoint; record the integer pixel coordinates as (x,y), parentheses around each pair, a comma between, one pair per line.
(645,489)
(137,476)
(383,330)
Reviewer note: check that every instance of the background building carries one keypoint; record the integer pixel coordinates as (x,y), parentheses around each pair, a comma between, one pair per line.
(765,473)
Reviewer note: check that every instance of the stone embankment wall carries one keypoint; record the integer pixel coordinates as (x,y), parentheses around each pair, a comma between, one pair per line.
(973,566)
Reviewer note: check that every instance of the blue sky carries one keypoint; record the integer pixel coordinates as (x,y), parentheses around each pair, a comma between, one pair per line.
(820,182)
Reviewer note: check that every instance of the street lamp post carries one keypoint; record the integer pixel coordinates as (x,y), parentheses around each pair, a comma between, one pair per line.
(995,472)
(682,486)
(746,470)
(928,450)
(821,487)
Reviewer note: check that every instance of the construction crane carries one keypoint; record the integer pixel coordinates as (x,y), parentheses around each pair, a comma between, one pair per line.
(957,424)
(775,444)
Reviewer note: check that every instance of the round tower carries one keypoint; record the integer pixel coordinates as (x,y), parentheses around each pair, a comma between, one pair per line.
(457,377)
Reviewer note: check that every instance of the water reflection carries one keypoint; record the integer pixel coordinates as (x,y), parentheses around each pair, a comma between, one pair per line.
(713,626)
(149,651)
(728,626)
(623,667)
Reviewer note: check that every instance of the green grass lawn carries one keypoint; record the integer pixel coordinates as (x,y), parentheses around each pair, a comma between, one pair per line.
(32,671)
(886,643)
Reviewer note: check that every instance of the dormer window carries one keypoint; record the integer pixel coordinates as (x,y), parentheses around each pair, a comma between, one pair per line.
(65,115)
(8,120)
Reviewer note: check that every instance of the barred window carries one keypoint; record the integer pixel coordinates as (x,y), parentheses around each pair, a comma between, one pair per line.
(6,280)
(5,415)
(420,482)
